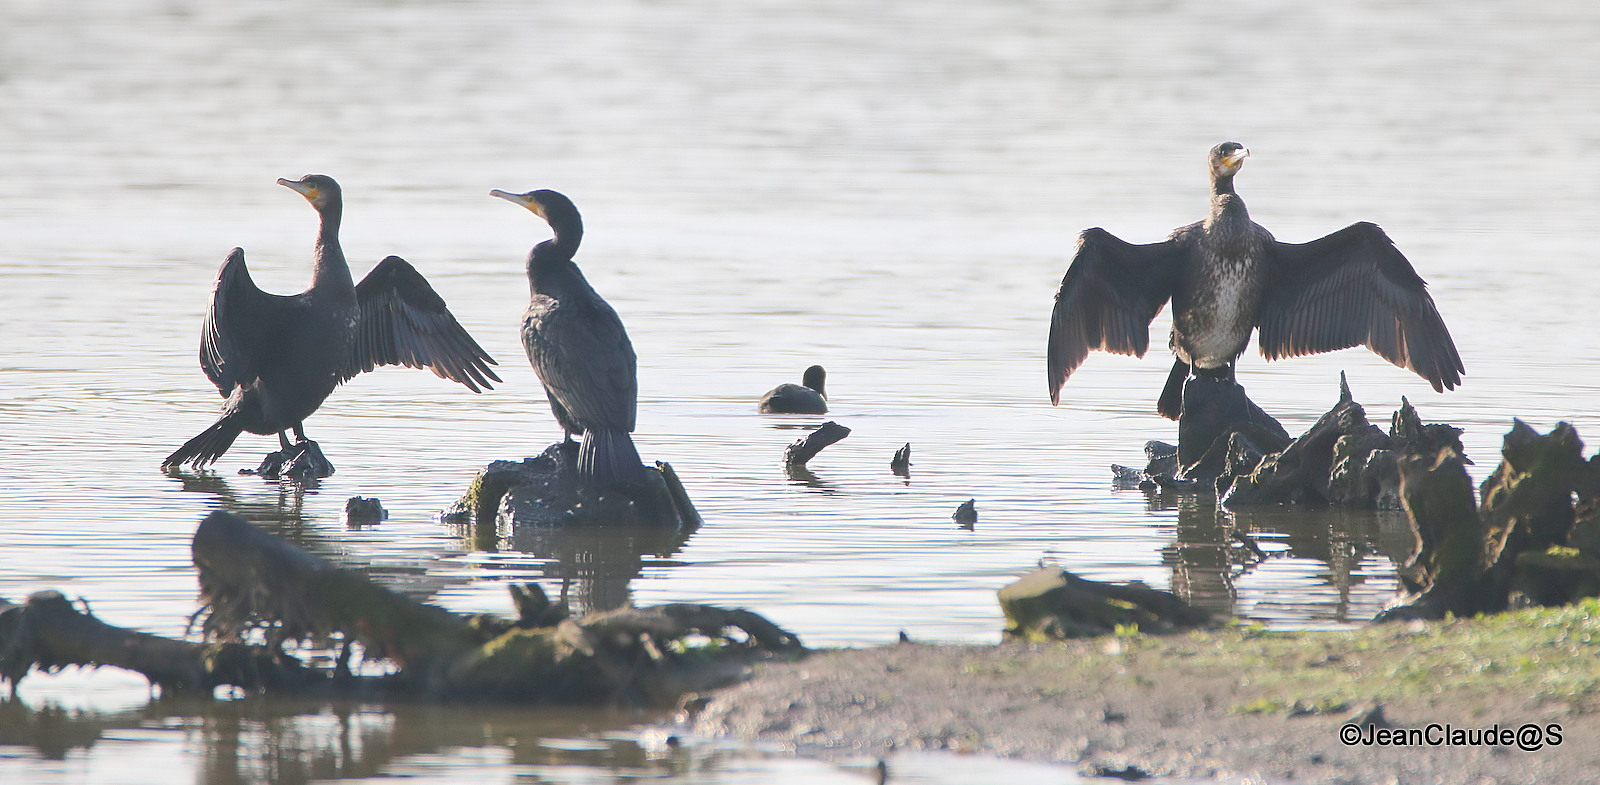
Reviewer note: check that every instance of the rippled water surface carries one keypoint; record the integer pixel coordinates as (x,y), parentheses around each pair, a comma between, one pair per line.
(890,190)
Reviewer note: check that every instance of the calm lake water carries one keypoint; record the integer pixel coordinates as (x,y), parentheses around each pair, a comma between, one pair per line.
(889,189)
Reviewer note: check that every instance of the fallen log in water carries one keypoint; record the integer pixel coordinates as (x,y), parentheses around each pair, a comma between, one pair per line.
(261,593)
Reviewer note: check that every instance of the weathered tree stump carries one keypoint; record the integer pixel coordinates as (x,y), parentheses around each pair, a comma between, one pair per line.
(363,511)
(1299,473)
(1213,408)
(302,462)
(1532,538)
(1341,460)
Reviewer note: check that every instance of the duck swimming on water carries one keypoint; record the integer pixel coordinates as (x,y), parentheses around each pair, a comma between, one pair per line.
(1227,277)
(579,348)
(276,357)
(808,397)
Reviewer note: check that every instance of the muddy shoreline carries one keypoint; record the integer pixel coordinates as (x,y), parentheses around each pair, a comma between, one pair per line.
(1233,704)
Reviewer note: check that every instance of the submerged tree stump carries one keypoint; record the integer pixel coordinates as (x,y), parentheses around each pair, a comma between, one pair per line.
(900,464)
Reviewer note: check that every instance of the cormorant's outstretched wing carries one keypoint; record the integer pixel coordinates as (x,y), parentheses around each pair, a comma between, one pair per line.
(240,325)
(585,360)
(1354,287)
(404,322)
(1110,293)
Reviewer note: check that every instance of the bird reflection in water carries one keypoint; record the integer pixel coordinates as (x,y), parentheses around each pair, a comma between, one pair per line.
(277,507)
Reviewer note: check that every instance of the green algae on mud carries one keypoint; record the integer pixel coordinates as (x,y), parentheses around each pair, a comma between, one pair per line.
(1544,654)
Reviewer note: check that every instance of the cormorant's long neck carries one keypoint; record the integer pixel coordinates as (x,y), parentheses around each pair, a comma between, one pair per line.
(550,262)
(549,267)
(1225,203)
(569,233)
(1222,184)
(330,271)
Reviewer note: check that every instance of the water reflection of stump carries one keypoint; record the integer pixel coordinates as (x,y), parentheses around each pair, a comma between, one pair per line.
(596,565)
(1201,556)
(596,539)
(293,739)
(1213,550)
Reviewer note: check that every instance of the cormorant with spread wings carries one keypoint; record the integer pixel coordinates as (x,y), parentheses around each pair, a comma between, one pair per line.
(1226,277)
(276,358)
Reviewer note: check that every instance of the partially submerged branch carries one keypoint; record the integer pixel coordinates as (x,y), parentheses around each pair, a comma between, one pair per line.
(796,455)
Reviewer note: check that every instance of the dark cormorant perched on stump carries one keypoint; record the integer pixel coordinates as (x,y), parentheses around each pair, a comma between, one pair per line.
(808,397)
(1227,276)
(276,357)
(579,348)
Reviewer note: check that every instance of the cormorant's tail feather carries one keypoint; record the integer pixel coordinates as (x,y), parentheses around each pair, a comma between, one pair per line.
(208,446)
(608,458)
(1170,404)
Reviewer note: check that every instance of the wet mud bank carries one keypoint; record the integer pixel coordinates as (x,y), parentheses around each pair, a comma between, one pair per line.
(1235,703)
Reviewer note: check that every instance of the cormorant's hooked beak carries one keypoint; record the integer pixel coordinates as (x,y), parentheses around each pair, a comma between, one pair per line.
(521,200)
(301,187)
(1235,158)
